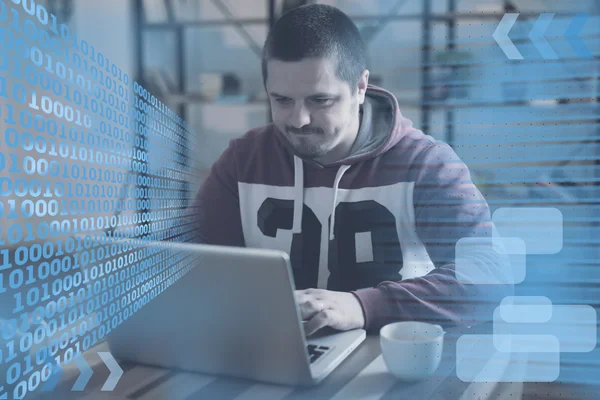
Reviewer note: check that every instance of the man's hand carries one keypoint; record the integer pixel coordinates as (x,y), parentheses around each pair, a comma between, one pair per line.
(321,308)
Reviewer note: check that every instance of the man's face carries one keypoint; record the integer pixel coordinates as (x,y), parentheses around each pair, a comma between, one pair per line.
(315,110)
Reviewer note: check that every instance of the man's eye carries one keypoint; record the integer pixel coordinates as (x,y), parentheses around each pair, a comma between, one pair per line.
(322,101)
(281,101)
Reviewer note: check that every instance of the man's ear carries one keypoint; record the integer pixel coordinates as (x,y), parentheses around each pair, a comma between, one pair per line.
(363,82)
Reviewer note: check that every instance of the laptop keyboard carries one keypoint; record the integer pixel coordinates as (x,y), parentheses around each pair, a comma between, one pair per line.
(315,352)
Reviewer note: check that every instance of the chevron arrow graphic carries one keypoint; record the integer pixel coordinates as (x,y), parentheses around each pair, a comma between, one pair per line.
(57,372)
(86,373)
(537,36)
(501,36)
(572,36)
(115,371)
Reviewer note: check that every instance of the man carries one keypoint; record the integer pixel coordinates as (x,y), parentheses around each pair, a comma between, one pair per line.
(369,208)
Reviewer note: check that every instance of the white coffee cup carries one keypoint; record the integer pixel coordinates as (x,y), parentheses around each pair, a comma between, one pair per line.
(412,350)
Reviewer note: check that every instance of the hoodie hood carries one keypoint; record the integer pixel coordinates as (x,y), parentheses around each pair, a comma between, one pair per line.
(378,127)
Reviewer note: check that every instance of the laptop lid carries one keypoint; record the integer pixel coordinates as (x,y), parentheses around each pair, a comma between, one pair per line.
(232,313)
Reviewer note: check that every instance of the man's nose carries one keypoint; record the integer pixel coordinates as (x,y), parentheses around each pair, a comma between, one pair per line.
(300,117)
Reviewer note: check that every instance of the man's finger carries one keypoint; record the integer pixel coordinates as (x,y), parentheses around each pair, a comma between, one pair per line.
(308,305)
(320,320)
(304,313)
(301,297)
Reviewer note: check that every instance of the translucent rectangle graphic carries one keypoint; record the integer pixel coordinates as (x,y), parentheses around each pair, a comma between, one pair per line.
(478,360)
(541,228)
(509,245)
(526,343)
(573,325)
(473,266)
(526,301)
(515,313)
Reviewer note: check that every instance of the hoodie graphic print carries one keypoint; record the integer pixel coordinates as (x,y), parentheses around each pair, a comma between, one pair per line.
(382,223)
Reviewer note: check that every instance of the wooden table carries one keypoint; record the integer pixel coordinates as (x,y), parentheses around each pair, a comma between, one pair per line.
(362,375)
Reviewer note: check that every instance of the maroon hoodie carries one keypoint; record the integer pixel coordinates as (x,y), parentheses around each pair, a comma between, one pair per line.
(382,223)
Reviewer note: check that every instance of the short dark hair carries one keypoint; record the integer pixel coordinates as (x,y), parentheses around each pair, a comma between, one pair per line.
(317,31)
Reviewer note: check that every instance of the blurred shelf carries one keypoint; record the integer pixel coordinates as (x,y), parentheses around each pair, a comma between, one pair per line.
(203,23)
(440,17)
(198,98)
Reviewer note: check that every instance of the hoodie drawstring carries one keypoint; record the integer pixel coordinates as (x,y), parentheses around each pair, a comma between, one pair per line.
(338,178)
(299,196)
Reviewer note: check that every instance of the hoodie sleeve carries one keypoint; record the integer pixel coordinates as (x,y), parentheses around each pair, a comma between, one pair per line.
(448,207)
(215,212)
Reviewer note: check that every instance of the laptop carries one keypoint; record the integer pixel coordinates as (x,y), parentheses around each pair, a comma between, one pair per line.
(233,313)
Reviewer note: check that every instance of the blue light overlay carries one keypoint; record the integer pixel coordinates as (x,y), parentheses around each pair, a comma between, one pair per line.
(98,166)
(88,157)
